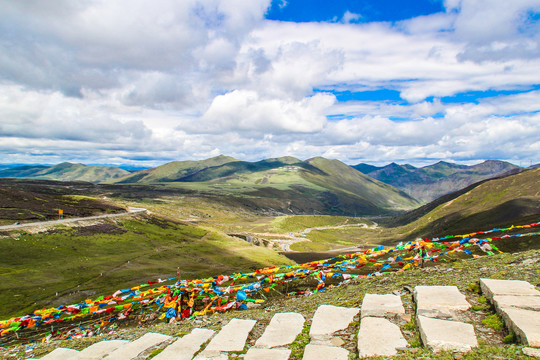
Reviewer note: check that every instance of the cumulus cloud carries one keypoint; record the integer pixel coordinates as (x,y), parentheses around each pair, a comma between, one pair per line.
(246,111)
(151,82)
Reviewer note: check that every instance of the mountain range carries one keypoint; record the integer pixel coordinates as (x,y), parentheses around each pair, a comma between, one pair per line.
(430,182)
(285,184)
(65,172)
(500,202)
(290,185)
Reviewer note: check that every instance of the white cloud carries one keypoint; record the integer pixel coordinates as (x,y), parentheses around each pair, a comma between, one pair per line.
(166,80)
(349,17)
(246,111)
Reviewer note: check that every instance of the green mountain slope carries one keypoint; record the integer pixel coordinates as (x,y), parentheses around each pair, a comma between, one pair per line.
(282,185)
(174,171)
(66,172)
(430,182)
(337,176)
(508,200)
(25,171)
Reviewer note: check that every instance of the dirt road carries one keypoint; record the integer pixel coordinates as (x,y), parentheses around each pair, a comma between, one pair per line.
(130,211)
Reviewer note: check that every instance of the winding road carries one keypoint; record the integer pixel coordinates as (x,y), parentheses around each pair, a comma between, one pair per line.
(291,238)
(130,211)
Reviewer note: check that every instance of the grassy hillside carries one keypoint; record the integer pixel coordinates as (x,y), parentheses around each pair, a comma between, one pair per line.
(493,342)
(339,177)
(174,171)
(66,172)
(510,200)
(430,182)
(24,171)
(497,202)
(21,202)
(301,222)
(102,257)
(281,185)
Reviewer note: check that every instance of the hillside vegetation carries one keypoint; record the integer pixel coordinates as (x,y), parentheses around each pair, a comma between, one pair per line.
(504,201)
(70,264)
(301,222)
(281,185)
(174,171)
(514,199)
(65,172)
(21,202)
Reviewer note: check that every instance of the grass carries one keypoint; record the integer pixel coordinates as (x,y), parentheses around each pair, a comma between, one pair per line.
(494,321)
(68,265)
(299,223)
(492,346)
(299,344)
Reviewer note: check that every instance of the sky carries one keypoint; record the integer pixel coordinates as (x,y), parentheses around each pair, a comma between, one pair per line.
(142,83)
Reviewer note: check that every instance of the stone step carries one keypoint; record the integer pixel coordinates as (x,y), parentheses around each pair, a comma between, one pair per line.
(282,330)
(60,354)
(492,287)
(232,337)
(325,352)
(186,347)
(525,302)
(99,350)
(440,334)
(524,323)
(133,349)
(518,303)
(328,319)
(381,305)
(379,337)
(441,302)
(267,354)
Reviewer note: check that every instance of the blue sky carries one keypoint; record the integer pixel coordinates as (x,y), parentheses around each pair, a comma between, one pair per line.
(138,83)
(369,11)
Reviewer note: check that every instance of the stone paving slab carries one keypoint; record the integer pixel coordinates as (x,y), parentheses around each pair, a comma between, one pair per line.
(379,337)
(329,319)
(532,352)
(524,323)
(282,330)
(382,305)
(134,348)
(99,350)
(324,352)
(232,337)
(523,302)
(492,287)
(185,347)
(60,354)
(440,334)
(439,301)
(267,354)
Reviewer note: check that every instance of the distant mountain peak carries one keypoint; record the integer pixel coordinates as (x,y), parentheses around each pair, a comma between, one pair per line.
(430,182)
(287,159)
(223,158)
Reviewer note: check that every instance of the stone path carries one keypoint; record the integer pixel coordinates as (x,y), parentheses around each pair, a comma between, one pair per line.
(518,303)
(378,336)
(441,313)
(60,354)
(99,350)
(282,330)
(437,309)
(327,320)
(133,349)
(186,347)
(232,337)
(440,302)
